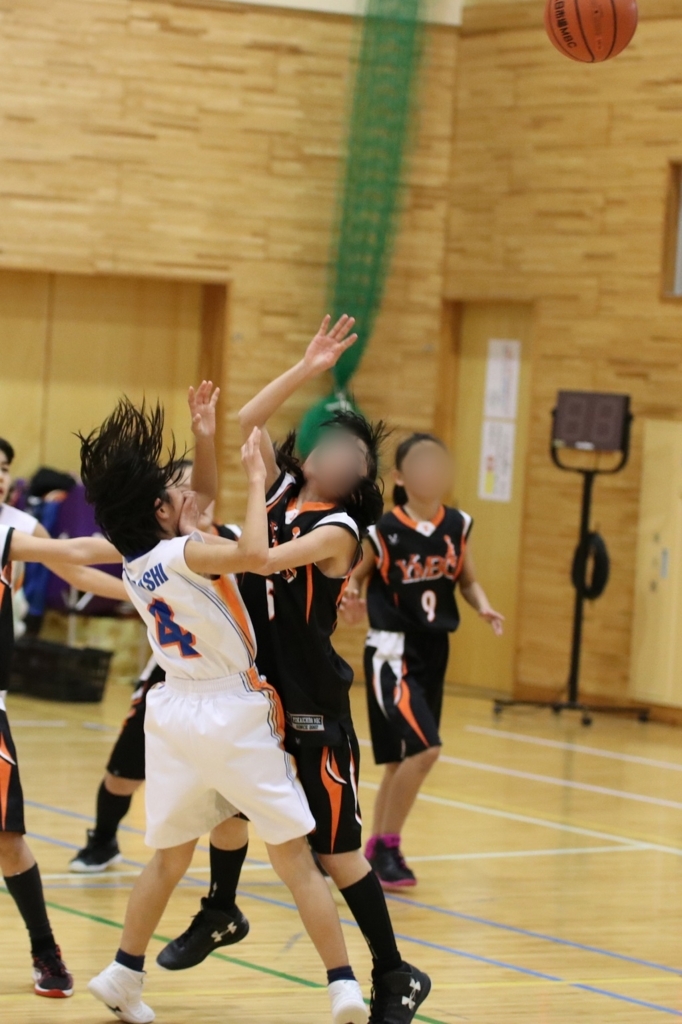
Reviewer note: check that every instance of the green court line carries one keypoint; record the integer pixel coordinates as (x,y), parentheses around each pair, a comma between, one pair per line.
(219,956)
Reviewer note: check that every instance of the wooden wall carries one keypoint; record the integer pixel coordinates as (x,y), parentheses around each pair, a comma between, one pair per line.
(558,198)
(204,142)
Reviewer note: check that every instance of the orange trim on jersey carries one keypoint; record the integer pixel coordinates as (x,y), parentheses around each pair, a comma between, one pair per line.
(276,716)
(404,706)
(227,591)
(334,790)
(385,559)
(406,520)
(311,506)
(309,586)
(6,767)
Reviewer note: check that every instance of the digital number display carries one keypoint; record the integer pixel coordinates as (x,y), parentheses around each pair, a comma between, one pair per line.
(590,421)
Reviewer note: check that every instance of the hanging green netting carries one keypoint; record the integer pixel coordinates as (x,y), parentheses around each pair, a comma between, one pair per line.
(378,135)
(321,413)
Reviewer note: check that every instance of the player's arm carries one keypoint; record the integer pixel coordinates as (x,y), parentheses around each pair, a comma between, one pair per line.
(323,352)
(249,552)
(202,406)
(474,594)
(354,602)
(90,581)
(331,548)
(77,551)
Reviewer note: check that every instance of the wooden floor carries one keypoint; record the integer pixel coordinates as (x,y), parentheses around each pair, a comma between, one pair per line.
(549,859)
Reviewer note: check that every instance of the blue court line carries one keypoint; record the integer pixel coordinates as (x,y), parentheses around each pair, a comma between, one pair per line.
(451,950)
(556,940)
(122,828)
(534,935)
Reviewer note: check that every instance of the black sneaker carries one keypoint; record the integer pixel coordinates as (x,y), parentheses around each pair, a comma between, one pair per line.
(397,996)
(390,867)
(209,930)
(96,855)
(50,976)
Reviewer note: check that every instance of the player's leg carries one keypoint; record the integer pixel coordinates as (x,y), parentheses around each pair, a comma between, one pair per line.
(330,776)
(119,986)
(219,922)
(21,876)
(404,706)
(123,777)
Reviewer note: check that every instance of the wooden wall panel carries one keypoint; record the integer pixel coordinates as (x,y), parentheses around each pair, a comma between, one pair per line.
(558,195)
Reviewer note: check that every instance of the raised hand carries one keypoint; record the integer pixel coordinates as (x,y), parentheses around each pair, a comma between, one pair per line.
(202,403)
(252,459)
(329,344)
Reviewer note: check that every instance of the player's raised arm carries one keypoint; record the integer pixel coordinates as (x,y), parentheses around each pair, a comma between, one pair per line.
(202,406)
(250,551)
(77,551)
(331,548)
(323,352)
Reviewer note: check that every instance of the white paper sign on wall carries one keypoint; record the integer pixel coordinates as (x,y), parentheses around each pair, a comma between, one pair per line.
(498,434)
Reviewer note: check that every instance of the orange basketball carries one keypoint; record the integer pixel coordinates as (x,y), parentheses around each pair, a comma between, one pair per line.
(591,30)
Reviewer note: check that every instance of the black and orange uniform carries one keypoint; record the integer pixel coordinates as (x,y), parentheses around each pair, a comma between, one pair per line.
(412,609)
(127,758)
(11,794)
(294,614)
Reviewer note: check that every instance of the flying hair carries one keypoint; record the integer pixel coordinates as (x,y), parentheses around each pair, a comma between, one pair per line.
(365,503)
(126,475)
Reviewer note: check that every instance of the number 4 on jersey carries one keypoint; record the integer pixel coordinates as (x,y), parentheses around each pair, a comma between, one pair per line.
(169,632)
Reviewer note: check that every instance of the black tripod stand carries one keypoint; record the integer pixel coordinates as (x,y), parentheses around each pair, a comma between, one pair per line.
(582,593)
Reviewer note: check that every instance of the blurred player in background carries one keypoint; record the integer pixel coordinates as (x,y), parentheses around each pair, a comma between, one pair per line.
(413,560)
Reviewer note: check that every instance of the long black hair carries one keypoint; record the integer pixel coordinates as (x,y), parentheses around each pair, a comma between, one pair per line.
(399,492)
(125,477)
(365,503)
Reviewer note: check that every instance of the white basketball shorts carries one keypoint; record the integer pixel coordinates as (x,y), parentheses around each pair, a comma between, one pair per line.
(214,748)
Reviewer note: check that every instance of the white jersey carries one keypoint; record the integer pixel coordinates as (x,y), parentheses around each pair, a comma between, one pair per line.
(10,518)
(21,521)
(198,628)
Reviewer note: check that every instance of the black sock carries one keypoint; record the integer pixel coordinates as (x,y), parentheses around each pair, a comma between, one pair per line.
(111,809)
(226,867)
(135,963)
(367,904)
(26,890)
(340,974)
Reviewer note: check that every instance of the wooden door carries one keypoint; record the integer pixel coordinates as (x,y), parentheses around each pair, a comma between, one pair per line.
(478,658)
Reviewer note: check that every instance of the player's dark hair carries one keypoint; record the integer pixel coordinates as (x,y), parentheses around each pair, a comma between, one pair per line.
(365,503)
(7,450)
(399,492)
(125,477)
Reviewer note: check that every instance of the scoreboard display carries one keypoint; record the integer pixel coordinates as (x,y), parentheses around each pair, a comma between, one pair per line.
(591,421)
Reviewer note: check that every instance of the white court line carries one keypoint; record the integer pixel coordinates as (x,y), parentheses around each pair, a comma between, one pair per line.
(539,741)
(528,819)
(553,852)
(552,780)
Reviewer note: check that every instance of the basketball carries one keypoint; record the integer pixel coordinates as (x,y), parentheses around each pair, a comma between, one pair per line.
(591,31)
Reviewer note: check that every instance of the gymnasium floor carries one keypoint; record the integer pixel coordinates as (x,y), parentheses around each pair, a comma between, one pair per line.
(548,855)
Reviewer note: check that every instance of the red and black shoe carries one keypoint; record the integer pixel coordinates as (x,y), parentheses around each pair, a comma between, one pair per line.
(50,976)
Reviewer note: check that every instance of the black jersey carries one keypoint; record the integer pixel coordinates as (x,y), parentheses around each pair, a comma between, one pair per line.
(418,564)
(294,614)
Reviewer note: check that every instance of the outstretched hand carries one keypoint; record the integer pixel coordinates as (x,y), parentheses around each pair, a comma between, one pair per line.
(329,344)
(494,619)
(202,403)
(252,459)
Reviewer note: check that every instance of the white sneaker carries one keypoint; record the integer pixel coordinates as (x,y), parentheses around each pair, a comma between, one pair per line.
(120,989)
(348,1006)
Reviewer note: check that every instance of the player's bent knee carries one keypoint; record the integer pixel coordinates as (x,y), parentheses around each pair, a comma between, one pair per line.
(15,856)
(426,759)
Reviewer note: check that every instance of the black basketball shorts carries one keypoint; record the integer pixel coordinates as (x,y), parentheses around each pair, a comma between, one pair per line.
(405,676)
(11,793)
(127,759)
(329,776)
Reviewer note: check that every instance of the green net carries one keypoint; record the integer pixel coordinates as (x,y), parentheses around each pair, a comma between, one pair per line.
(388,62)
(378,136)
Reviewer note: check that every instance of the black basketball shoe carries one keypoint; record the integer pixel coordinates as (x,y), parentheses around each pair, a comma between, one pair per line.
(390,867)
(50,976)
(209,930)
(96,855)
(397,995)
